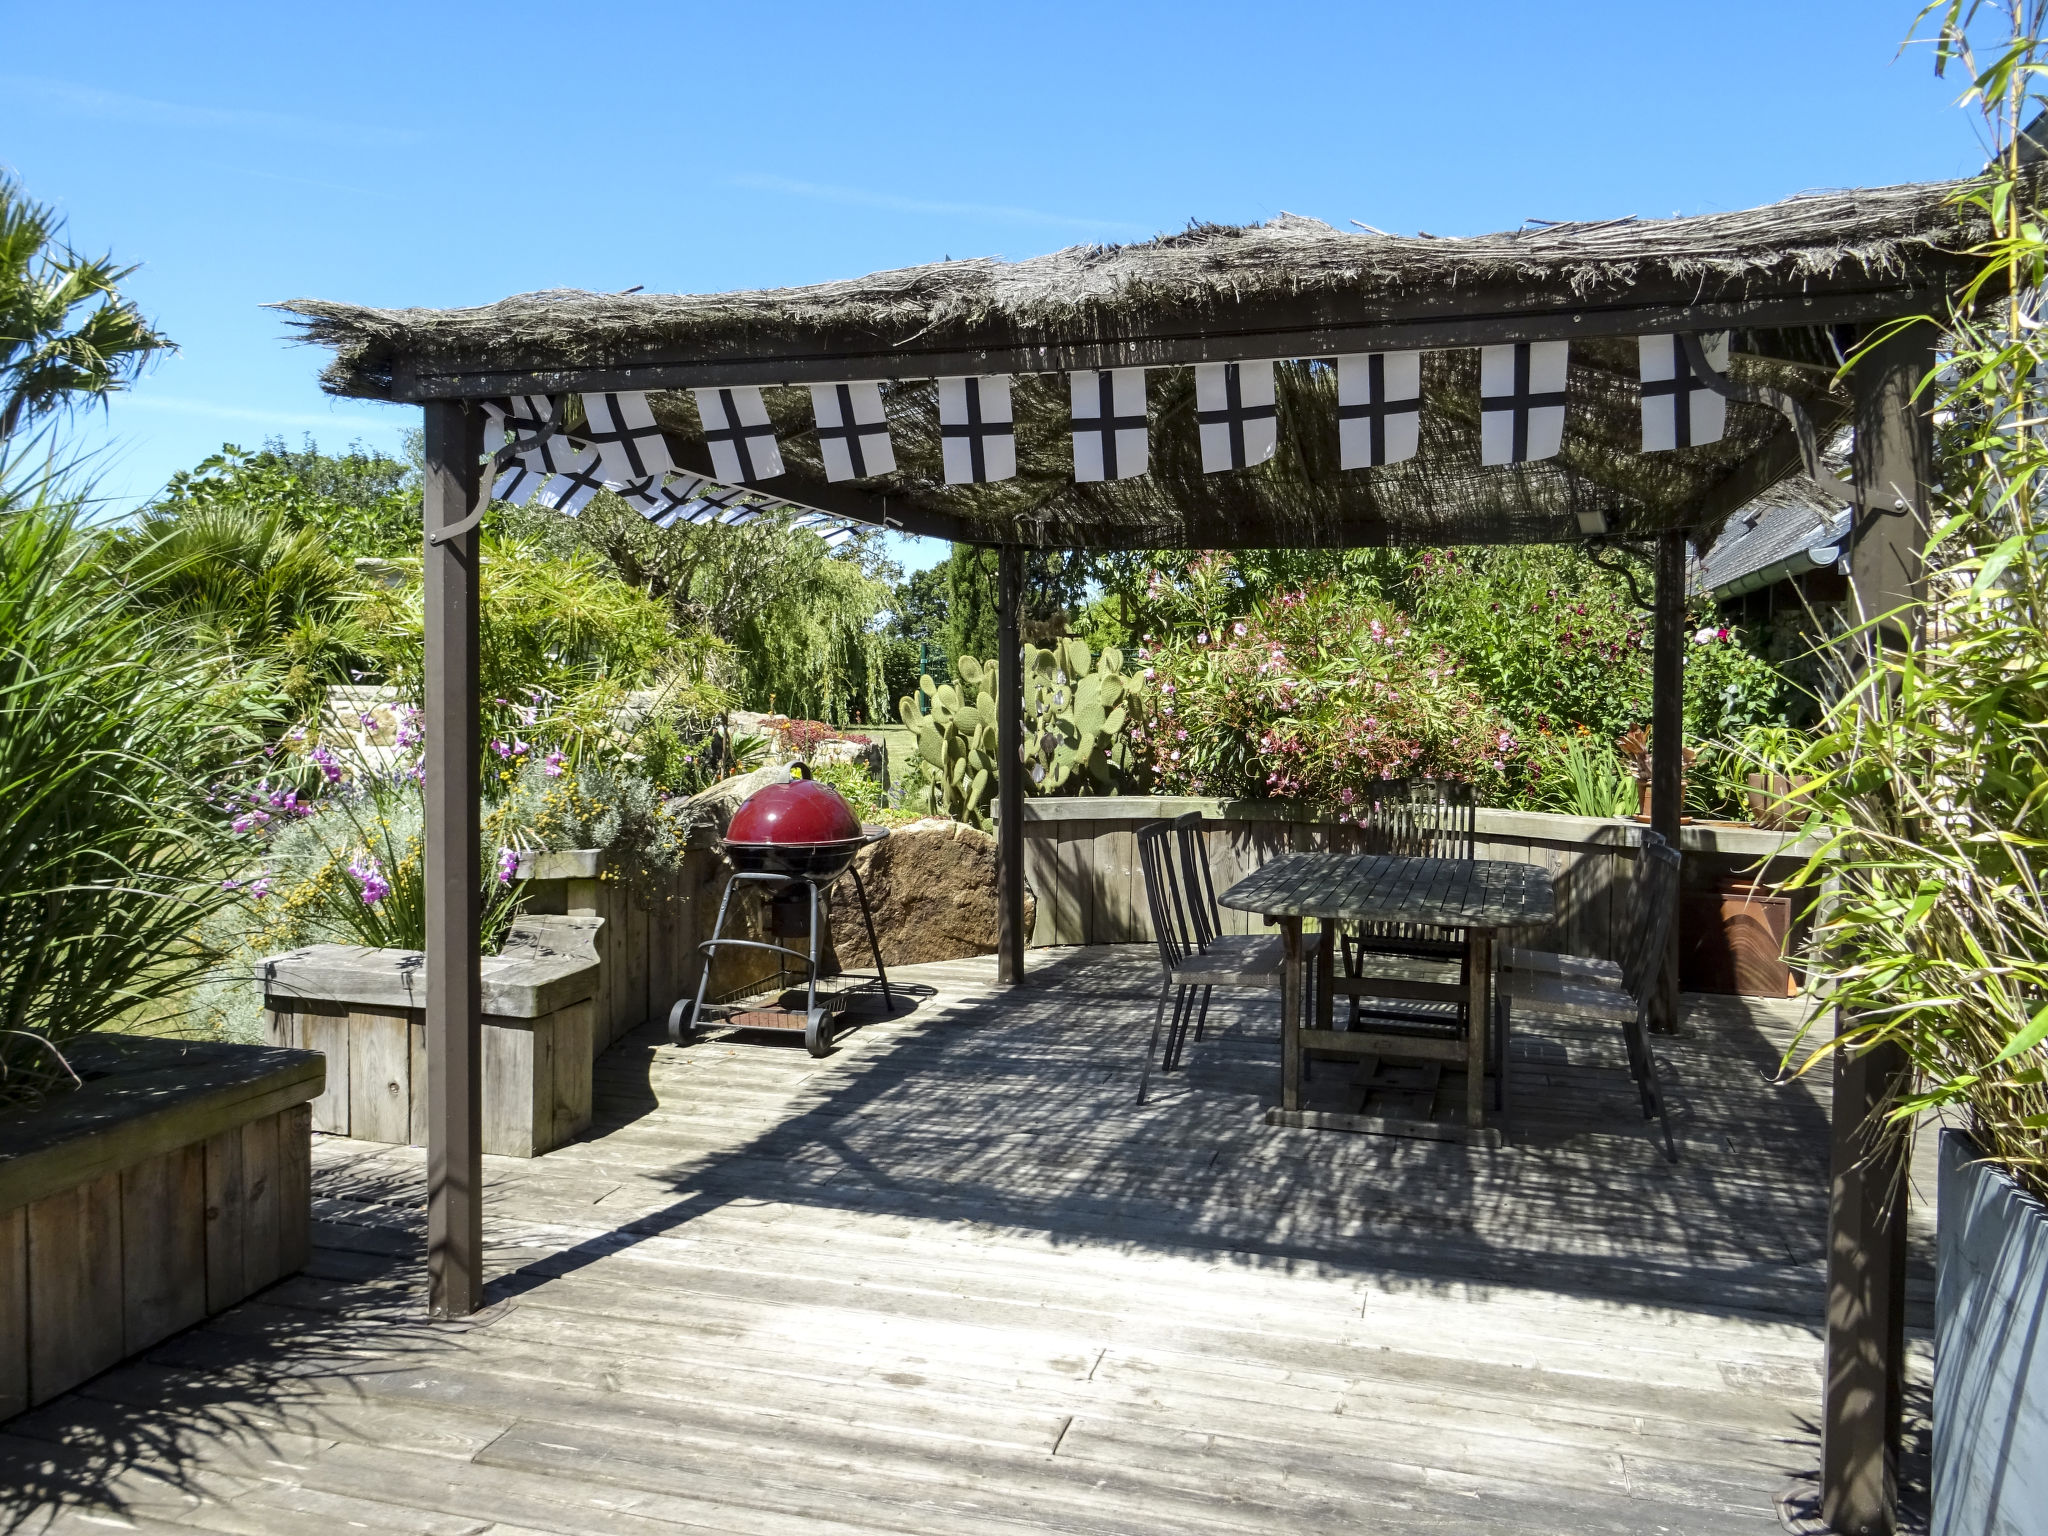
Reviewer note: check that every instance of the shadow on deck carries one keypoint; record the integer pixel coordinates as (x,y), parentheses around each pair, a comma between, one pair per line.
(952,1277)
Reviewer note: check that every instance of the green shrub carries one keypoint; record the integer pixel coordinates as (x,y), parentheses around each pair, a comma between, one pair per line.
(114,736)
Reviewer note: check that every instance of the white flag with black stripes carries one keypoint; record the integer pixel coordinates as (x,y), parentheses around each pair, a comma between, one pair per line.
(1521,401)
(571,489)
(739,434)
(1110,437)
(1234,409)
(629,445)
(1679,411)
(853,431)
(1379,408)
(976,432)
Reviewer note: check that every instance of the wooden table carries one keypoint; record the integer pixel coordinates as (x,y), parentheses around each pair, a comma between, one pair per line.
(1478,896)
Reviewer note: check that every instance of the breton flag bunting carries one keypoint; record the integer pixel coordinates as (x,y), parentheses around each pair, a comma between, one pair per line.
(542,455)
(1521,401)
(1234,408)
(853,431)
(1109,423)
(741,437)
(571,490)
(1379,408)
(1679,411)
(629,445)
(977,435)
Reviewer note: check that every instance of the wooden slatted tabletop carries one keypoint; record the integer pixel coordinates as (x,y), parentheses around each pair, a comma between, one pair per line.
(1381,888)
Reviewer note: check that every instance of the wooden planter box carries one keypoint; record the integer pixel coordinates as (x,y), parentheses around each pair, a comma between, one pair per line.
(647,946)
(365,1011)
(1990,1350)
(174,1183)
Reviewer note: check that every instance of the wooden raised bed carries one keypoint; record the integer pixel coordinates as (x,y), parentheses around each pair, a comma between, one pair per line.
(365,1011)
(174,1183)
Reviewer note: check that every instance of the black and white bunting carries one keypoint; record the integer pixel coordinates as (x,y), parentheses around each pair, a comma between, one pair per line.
(1679,411)
(1110,437)
(629,445)
(976,432)
(737,429)
(853,431)
(572,488)
(1521,401)
(1379,408)
(1235,411)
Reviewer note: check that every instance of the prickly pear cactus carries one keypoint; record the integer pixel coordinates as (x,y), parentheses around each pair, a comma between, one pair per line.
(1075,706)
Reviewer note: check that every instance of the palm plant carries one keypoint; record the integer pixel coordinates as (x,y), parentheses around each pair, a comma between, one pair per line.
(65,330)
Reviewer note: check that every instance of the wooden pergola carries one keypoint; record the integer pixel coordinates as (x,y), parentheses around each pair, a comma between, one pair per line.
(1799,285)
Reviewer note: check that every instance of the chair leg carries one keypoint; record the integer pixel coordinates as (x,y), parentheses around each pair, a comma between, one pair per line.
(1177,1030)
(1158,1017)
(1202,1017)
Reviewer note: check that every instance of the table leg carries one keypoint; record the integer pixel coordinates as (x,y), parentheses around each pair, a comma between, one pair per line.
(1481,1004)
(1290,1013)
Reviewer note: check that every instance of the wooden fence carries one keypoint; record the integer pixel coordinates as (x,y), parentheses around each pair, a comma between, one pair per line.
(1081,861)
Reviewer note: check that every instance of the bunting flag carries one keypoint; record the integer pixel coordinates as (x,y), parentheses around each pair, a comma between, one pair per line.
(741,438)
(976,432)
(1521,401)
(1238,420)
(1679,411)
(1110,439)
(1379,408)
(540,456)
(629,445)
(571,490)
(853,431)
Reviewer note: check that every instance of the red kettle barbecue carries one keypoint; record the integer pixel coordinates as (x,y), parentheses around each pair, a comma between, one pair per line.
(796,839)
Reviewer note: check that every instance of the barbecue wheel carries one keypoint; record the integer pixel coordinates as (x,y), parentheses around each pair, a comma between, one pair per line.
(818,1032)
(682,1021)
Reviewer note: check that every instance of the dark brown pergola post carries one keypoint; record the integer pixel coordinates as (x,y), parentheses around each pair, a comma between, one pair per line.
(455,1256)
(1667,740)
(1866,1316)
(1009,765)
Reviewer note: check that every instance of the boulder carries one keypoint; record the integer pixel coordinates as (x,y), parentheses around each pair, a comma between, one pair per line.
(707,812)
(932,886)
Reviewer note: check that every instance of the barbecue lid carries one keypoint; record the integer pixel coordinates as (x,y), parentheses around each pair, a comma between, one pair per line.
(799,812)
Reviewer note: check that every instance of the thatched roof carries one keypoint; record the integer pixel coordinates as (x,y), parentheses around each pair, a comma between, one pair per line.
(1294,288)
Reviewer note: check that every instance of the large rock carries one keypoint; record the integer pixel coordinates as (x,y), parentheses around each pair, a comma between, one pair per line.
(932,885)
(707,812)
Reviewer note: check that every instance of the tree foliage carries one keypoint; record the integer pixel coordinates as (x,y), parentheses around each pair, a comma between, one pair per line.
(66,333)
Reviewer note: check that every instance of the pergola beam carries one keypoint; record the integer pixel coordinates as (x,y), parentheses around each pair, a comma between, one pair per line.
(1438,322)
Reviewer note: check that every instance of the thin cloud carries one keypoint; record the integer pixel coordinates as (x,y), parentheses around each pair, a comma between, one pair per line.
(179,405)
(855,197)
(118,107)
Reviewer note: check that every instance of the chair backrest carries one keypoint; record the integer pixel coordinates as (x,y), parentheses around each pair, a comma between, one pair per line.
(1206,918)
(1158,857)
(1653,905)
(1423,819)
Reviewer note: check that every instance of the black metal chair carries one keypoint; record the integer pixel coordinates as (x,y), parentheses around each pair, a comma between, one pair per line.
(1653,903)
(1622,994)
(1195,956)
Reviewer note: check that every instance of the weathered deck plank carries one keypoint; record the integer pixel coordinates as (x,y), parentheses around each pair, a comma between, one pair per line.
(950,1280)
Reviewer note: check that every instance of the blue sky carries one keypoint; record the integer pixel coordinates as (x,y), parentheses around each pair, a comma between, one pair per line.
(443,155)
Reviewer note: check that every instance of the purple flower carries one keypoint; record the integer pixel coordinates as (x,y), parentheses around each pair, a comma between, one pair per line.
(327,764)
(369,874)
(367,720)
(519,748)
(260,888)
(231,885)
(500,748)
(508,865)
(554,765)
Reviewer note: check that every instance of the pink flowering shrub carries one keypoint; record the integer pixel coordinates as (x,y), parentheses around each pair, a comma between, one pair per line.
(1313,695)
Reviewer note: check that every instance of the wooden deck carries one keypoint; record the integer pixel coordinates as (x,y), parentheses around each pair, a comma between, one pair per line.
(950,1280)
